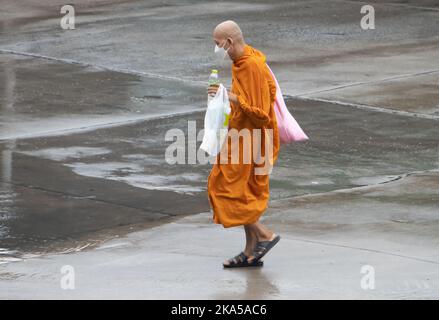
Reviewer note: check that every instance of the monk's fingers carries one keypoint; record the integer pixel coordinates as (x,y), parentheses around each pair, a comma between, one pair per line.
(212,89)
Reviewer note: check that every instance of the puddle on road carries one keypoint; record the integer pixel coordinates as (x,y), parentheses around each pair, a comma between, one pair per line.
(131,172)
(315,182)
(61,154)
(105,170)
(7,256)
(7,197)
(144,159)
(166,183)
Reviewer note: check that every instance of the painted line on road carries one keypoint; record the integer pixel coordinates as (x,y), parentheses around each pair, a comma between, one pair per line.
(303,96)
(102,125)
(355,84)
(364,249)
(100,67)
(370,108)
(346,190)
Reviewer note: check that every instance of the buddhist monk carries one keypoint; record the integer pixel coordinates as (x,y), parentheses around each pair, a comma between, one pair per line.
(237,193)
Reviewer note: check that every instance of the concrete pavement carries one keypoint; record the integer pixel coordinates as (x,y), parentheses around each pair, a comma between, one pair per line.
(84,183)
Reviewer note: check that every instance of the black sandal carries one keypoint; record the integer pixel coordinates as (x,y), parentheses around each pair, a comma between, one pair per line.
(262,248)
(241,260)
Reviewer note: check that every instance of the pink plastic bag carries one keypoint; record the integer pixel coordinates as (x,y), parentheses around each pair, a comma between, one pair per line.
(289,129)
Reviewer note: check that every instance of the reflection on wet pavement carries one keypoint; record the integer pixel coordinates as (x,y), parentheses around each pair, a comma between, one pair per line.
(248,286)
(60,154)
(7,197)
(80,97)
(130,174)
(43,98)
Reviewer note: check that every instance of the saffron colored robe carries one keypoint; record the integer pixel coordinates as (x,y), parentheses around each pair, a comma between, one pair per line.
(237,195)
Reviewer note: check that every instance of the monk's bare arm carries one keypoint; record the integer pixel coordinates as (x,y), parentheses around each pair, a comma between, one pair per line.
(233,97)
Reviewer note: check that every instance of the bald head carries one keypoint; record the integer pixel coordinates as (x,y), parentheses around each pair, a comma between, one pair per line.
(228,35)
(228,29)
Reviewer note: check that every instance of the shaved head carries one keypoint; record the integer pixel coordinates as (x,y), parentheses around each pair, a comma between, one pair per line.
(228,35)
(228,29)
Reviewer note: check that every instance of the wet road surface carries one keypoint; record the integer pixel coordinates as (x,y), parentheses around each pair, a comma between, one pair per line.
(84,115)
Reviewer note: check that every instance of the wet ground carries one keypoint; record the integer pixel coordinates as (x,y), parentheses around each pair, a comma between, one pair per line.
(85,182)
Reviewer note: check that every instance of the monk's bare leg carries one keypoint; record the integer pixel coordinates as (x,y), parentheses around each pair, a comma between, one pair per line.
(251,239)
(262,233)
(250,242)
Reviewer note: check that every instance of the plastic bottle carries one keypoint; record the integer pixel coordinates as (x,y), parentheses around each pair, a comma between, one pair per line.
(213,80)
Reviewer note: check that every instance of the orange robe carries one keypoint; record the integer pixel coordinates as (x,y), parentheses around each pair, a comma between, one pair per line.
(237,195)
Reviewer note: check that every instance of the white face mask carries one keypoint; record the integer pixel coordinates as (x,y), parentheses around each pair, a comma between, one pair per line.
(221,53)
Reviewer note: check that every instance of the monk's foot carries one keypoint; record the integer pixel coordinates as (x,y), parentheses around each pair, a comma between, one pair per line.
(245,255)
(249,256)
(262,247)
(241,260)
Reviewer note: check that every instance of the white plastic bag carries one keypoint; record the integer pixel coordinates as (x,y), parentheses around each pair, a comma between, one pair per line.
(216,122)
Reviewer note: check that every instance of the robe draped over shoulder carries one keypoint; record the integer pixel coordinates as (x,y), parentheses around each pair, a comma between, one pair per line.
(238,191)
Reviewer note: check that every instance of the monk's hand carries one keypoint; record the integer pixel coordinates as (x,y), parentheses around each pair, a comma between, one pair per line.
(212,89)
(232,97)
